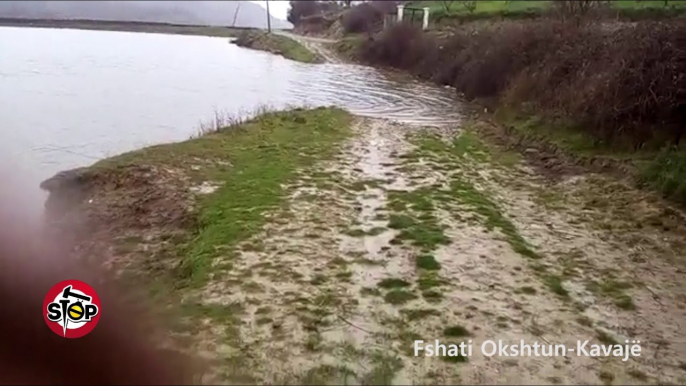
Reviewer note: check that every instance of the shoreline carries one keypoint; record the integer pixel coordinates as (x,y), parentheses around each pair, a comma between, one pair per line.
(127,26)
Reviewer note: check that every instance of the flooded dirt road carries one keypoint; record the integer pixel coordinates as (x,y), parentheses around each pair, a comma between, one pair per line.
(417,229)
(410,234)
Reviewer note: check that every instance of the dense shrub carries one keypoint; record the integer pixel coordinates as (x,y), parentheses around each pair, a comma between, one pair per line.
(303,9)
(667,174)
(367,17)
(612,79)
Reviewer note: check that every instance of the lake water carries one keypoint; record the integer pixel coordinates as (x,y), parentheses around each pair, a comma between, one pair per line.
(71,97)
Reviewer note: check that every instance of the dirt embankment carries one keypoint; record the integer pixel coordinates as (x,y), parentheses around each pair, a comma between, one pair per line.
(313,247)
(280,44)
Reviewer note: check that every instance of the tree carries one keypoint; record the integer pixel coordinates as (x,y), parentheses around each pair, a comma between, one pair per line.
(301,9)
(577,7)
(447,5)
(469,6)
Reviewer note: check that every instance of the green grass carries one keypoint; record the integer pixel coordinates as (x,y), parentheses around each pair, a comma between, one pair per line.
(432,296)
(384,370)
(428,280)
(485,8)
(325,374)
(263,155)
(419,225)
(398,297)
(666,173)
(277,44)
(528,290)
(605,338)
(428,262)
(481,8)
(615,290)
(492,216)
(662,170)
(465,193)
(420,313)
(400,221)
(393,283)
(456,332)
(555,284)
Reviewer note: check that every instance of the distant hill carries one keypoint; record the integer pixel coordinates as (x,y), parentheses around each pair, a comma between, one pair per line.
(214,13)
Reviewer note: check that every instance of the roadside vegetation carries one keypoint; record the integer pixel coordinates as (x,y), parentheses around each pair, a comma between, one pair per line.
(581,77)
(276,44)
(446,11)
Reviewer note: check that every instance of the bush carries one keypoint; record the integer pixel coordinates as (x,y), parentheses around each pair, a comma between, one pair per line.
(367,17)
(615,80)
(302,9)
(667,174)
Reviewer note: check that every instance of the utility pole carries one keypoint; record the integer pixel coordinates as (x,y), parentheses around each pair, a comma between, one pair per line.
(269,20)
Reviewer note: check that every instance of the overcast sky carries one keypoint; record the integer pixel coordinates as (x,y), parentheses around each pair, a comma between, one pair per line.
(278,8)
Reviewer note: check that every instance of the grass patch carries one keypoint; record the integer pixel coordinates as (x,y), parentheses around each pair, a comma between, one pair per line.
(615,290)
(429,280)
(398,297)
(605,338)
(527,290)
(276,44)
(555,284)
(638,374)
(376,231)
(432,296)
(493,218)
(459,358)
(464,192)
(419,313)
(383,371)
(367,291)
(606,376)
(319,279)
(456,332)
(666,173)
(400,221)
(327,374)
(393,283)
(264,154)
(423,230)
(355,233)
(428,262)
(584,321)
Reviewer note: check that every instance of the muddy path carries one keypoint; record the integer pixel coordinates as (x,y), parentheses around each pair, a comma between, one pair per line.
(317,45)
(415,233)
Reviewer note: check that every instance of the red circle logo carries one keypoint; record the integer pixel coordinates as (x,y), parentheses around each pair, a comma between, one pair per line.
(71,309)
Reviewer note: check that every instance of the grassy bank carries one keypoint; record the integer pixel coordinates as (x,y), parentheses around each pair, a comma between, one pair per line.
(97,25)
(276,44)
(242,170)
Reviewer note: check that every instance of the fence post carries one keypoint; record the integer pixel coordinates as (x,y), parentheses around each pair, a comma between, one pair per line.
(425,23)
(400,13)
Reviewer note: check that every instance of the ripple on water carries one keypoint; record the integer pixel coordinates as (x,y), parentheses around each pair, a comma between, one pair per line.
(370,92)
